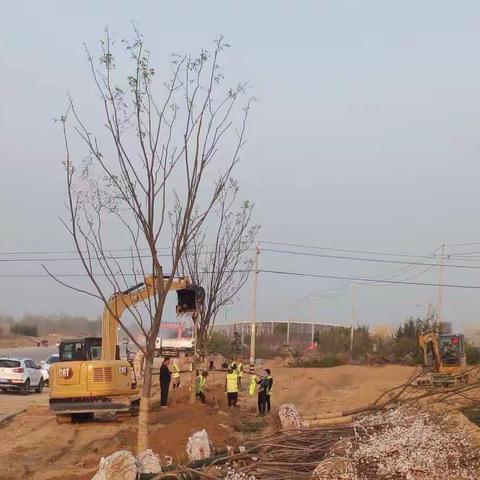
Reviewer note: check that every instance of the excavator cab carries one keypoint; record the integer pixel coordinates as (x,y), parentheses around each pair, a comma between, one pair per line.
(88,348)
(452,349)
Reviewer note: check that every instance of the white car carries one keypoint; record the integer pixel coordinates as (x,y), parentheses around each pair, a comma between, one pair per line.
(54,358)
(20,375)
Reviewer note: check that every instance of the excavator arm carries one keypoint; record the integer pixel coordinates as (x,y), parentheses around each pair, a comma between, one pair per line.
(429,345)
(119,302)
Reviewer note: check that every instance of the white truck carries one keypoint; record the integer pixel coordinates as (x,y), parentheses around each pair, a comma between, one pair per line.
(174,346)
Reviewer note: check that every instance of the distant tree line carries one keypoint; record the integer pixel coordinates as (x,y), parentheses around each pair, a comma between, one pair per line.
(42,325)
(23,329)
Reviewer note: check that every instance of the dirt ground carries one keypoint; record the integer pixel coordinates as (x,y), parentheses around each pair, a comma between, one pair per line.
(34,446)
(329,390)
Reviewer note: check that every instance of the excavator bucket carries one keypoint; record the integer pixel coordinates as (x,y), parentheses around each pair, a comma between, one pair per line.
(190,300)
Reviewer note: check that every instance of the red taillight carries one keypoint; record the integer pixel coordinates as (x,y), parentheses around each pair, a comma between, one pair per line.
(18,370)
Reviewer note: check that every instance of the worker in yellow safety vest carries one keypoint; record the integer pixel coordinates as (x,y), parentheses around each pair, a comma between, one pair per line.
(175,374)
(201,382)
(232,387)
(252,388)
(240,372)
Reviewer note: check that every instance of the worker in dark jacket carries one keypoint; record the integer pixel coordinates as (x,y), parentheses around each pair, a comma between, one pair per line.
(269,389)
(165,377)
(262,395)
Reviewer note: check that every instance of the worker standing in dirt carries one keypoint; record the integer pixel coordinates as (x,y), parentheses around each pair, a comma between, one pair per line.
(233,365)
(165,377)
(211,361)
(231,387)
(201,382)
(269,388)
(240,372)
(175,374)
(262,395)
(138,363)
(252,387)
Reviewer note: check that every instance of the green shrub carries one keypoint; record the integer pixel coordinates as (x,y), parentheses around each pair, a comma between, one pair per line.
(472,353)
(334,340)
(220,343)
(326,361)
(24,329)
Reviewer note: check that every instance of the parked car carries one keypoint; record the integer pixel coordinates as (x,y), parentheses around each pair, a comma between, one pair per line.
(22,375)
(54,358)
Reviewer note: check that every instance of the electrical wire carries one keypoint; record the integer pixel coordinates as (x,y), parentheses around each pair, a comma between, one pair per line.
(103,258)
(314,247)
(66,252)
(361,259)
(275,272)
(341,290)
(361,279)
(76,259)
(85,252)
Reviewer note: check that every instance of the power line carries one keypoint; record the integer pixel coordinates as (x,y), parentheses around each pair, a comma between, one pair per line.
(97,274)
(76,259)
(375,260)
(462,244)
(298,245)
(133,256)
(342,290)
(275,272)
(66,252)
(314,247)
(360,279)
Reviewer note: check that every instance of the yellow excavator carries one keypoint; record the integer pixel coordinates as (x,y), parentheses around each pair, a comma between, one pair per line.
(90,376)
(444,359)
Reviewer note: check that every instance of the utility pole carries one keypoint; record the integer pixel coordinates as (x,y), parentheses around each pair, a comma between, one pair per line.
(253,325)
(354,305)
(351,342)
(194,363)
(440,290)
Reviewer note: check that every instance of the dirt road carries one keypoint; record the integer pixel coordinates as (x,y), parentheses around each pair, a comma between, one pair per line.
(34,446)
(37,354)
(12,402)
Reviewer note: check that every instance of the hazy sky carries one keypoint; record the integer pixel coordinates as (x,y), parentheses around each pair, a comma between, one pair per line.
(365,137)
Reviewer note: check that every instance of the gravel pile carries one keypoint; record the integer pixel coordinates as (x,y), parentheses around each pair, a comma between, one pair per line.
(409,444)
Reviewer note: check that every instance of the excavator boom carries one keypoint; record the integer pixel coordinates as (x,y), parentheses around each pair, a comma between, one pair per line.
(121,301)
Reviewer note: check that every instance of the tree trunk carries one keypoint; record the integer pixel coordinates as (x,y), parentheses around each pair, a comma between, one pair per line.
(144,414)
(194,361)
(193,379)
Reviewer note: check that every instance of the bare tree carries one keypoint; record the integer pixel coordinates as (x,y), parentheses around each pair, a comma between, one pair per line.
(154,155)
(219,257)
